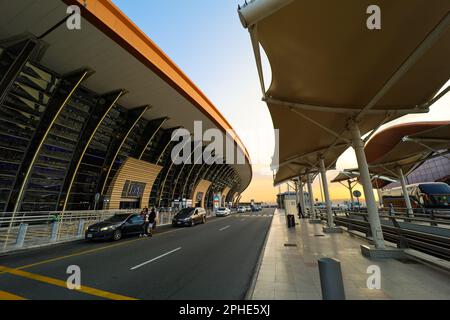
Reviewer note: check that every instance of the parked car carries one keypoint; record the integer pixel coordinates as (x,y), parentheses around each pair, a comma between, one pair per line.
(223,212)
(241,209)
(248,209)
(116,227)
(189,217)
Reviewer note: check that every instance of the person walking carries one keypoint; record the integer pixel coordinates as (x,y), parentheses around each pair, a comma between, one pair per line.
(152,221)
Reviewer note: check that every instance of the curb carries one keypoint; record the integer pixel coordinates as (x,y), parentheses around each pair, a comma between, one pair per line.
(251,289)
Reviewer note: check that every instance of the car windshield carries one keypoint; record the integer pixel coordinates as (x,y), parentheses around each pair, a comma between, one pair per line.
(222,209)
(187,212)
(117,218)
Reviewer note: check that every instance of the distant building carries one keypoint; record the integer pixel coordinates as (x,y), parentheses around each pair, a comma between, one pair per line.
(281,197)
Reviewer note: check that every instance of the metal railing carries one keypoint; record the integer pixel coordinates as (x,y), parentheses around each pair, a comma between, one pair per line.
(33,229)
(428,233)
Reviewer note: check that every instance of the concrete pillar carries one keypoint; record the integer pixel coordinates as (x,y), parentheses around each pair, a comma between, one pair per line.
(302,195)
(409,210)
(313,217)
(372,210)
(326,192)
(331,228)
(350,188)
(380,198)
(21,235)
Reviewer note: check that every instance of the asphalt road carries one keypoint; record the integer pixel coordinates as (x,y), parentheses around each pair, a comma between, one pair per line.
(216,260)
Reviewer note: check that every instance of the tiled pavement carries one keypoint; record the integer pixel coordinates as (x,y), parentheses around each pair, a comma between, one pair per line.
(291,272)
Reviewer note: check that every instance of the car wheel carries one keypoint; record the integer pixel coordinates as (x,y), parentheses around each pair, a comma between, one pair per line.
(117,235)
(192,223)
(204,220)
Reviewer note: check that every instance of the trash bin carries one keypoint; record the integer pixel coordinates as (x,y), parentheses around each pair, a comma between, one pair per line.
(290,221)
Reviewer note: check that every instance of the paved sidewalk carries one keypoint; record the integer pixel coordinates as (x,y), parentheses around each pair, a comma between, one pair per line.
(291,272)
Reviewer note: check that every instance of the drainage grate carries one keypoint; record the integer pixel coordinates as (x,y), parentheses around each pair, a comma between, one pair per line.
(290,245)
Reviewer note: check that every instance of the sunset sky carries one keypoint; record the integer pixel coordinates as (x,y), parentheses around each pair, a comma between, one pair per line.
(207,41)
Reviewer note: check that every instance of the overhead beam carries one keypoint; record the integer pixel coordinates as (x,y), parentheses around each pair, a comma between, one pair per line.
(16,66)
(344,110)
(325,128)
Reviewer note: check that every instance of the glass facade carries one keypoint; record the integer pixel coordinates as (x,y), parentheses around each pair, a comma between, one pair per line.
(434,170)
(57,149)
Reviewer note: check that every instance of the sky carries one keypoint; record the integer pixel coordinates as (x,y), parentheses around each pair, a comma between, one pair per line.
(207,41)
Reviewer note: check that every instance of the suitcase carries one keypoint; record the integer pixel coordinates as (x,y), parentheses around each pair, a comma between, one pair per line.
(290,221)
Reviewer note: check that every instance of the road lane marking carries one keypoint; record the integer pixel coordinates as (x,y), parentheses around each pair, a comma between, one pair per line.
(224,228)
(154,259)
(6,296)
(80,253)
(63,284)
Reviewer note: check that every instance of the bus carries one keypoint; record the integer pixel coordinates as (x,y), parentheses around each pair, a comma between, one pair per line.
(428,195)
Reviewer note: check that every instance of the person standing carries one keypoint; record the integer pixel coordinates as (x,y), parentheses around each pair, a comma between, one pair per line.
(152,221)
(145,217)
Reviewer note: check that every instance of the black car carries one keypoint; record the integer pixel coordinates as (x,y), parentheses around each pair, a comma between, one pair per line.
(116,227)
(189,217)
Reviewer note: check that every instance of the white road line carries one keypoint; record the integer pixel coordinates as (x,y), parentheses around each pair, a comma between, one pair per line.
(224,228)
(154,259)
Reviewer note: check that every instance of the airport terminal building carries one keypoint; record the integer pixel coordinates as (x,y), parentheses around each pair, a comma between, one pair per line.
(87,116)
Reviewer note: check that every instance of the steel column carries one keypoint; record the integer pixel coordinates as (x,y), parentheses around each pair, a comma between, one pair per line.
(326,192)
(302,195)
(149,134)
(311,198)
(102,108)
(133,118)
(372,210)
(55,106)
(16,66)
(409,210)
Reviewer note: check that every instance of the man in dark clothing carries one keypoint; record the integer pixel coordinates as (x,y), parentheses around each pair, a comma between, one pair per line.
(152,221)
(145,217)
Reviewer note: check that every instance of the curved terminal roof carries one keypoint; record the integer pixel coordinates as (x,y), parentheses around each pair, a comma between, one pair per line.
(121,57)
(328,69)
(406,146)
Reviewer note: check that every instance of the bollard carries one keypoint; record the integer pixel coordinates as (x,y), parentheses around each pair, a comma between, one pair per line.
(21,235)
(80,232)
(54,234)
(331,279)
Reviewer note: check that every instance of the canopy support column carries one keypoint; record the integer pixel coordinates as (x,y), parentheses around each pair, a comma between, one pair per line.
(302,197)
(372,210)
(409,210)
(330,228)
(313,217)
(350,188)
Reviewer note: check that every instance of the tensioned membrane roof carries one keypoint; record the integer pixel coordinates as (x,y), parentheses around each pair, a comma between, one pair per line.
(121,56)
(328,67)
(378,181)
(406,146)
